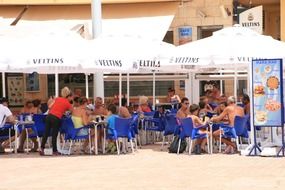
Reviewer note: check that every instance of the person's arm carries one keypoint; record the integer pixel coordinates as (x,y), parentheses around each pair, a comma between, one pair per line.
(85,118)
(221,116)
(179,114)
(198,121)
(208,107)
(9,116)
(178,99)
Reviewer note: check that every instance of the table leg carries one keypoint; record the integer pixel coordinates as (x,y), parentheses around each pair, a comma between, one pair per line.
(95,139)
(211,139)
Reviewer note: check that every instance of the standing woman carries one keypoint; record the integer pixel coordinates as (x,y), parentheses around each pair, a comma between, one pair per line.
(53,119)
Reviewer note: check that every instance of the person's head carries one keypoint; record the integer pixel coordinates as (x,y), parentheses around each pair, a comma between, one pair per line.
(194,108)
(37,102)
(124,102)
(29,104)
(223,105)
(4,101)
(66,93)
(184,103)
(98,102)
(202,105)
(171,91)
(76,101)
(245,99)
(143,101)
(82,101)
(231,100)
(204,99)
(112,108)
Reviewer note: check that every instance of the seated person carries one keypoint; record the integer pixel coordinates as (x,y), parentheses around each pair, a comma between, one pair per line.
(99,108)
(222,106)
(80,119)
(246,102)
(230,111)
(206,102)
(29,108)
(37,105)
(123,110)
(112,114)
(143,104)
(5,116)
(172,97)
(197,122)
(183,112)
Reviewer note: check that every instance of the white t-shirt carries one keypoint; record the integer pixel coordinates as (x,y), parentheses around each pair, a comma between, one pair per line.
(4,113)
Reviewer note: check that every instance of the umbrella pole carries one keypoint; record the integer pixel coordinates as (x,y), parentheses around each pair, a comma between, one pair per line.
(3,85)
(120,89)
(153,91)
(86,86)
(56,84)
(128,89)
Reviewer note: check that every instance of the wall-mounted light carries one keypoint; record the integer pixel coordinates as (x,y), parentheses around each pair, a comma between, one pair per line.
(201,14)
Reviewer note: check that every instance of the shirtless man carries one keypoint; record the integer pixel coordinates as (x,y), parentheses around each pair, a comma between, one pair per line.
(230,111)
(183,112)
(99,108)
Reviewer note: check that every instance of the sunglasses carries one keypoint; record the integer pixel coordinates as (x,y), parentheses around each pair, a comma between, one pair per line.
(187,103)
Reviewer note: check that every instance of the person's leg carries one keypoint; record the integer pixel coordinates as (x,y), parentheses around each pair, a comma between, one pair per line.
(55,129)
(22,141)
(47,131)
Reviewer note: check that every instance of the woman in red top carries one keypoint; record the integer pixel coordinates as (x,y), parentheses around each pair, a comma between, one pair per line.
(53,119)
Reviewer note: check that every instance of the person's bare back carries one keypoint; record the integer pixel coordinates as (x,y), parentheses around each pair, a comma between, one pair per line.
(233,111)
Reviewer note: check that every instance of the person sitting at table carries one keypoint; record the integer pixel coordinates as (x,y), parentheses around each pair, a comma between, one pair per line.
(143,104)
(246,102)
(183,112)
(123,110)
(112,114)
(53,119)
(172,97)
(221,107)
(99,107)
(197,122)
(206,102)
(31,107)
(203,110)
(230,111)
(80,119)
(6,116)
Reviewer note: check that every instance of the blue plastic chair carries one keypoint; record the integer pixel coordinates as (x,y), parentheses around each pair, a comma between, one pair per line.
(188,131)
(8,126)
(238,130)
(170,127)
(71,133)
(122,130)
(134,129)
(39,126)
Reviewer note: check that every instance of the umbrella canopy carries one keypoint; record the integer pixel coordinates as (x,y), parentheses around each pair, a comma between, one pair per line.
(123,54)
(227,48)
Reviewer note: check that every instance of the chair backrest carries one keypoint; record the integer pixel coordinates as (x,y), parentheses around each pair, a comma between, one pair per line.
(122,127)
(240,125)
(149,114)
(134,123)
(170,124)
(39,120)
(186,127)
(69,130)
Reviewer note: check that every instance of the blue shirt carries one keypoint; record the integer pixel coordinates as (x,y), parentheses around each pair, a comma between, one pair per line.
(111,123)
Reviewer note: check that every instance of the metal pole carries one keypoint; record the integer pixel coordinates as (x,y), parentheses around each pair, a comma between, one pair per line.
(120,89)
(153,91)
(3,85)
(56,85)
(128,89)
(98,79)
(86,86)
(235,84)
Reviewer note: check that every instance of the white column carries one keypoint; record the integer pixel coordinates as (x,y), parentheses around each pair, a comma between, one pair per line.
(86,86)
(98,79)
(235,84)
(188,88)
(195,90)
(56,84)
(128,89)
(120,89)
(153,91)
(3,85)
(221,85)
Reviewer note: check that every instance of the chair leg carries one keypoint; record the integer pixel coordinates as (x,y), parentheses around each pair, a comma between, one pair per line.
(89,141)
(136,145)
(178,146)
(139,141)
(104,141)
(237,143)
(208,144)
(118,147)
(27,140)
(163,139)
(190,146)
(220,145)
(10,139)
(70,147)
(132,145)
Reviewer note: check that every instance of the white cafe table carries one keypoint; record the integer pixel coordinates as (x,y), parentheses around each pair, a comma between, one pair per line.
(95,125)
(16,126)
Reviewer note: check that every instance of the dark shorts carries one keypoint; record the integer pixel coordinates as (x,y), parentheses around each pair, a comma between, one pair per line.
(5,132)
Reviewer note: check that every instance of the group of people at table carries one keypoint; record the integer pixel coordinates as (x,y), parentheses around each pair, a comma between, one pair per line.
(82,114)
